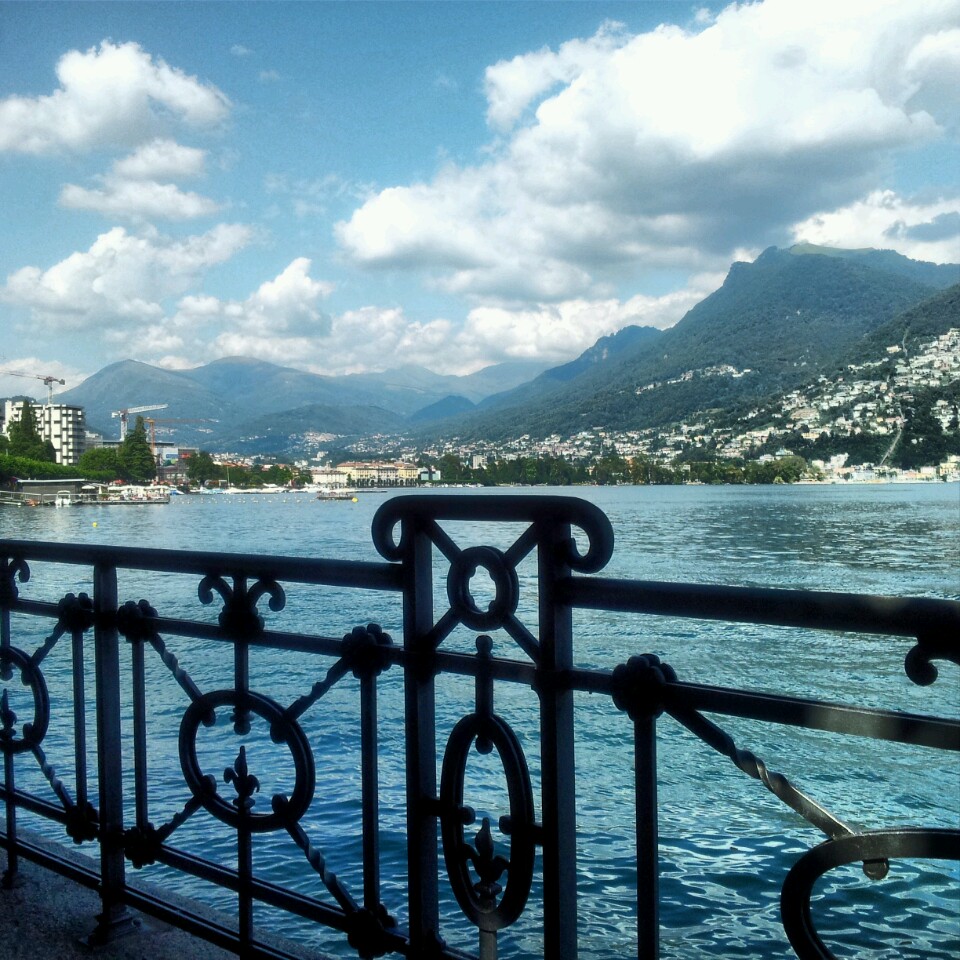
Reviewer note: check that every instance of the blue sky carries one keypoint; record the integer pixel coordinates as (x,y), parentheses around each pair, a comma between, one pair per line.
(345,187)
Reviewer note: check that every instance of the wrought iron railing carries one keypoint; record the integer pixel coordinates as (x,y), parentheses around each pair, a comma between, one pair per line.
(121,655)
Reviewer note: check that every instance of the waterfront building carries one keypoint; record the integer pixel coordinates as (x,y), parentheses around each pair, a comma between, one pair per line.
(62,424)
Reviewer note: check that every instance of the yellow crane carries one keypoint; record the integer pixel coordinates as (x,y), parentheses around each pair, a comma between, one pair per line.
(122,414)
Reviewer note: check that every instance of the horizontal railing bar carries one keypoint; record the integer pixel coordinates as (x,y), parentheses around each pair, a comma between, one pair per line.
(208,929)
(275,896)
(373,575)
(202,869)
(908,728)
(67,866)
(862,613)
(892,725)
(34,804)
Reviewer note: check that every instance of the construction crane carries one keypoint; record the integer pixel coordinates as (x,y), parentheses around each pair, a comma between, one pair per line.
(49,381)
(153,427)
(122,414)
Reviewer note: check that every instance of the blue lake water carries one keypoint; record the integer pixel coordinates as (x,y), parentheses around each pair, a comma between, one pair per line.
(726,843)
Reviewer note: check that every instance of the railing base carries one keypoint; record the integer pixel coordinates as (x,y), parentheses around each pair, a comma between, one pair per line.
(110,928)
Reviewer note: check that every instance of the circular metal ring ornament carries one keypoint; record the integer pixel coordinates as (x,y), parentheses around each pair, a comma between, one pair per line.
(31,676)
(456,852)
(918,844)
(505,581)
(282,730)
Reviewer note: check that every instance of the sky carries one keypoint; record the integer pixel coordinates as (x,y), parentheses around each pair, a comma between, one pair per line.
(345,187)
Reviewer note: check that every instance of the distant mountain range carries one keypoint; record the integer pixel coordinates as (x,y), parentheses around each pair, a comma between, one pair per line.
(237,398)
(783,320)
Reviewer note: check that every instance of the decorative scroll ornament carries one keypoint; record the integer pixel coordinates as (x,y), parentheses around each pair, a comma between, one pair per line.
(30,675)
(11,571)
(478,898)
(421,513)
(918,663)
(202,712)
(239,617)
(872,845)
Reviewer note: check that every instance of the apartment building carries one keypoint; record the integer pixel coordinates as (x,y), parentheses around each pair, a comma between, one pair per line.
(60,423)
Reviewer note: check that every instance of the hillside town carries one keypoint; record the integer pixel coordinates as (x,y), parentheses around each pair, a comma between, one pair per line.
(868,399)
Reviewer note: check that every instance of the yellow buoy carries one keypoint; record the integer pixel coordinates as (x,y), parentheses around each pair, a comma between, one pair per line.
(94,522)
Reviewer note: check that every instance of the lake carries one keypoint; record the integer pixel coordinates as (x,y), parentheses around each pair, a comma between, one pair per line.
(725,842)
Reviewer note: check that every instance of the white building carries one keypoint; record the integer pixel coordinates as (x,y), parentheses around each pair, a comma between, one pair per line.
(63,425)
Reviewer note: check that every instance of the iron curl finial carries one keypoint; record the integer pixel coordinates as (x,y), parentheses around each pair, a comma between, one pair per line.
(11,571)
(239,617)
(419,513)
(918,663)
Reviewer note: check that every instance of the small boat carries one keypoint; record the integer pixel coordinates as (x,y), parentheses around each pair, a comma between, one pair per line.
(348,495)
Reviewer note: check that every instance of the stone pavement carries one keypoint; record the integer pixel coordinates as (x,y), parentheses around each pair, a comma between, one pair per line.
(47,917)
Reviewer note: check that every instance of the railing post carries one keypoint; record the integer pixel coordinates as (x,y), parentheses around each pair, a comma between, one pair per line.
(10,875)
(420,710)
(648,838)
(558,789)
(114,920)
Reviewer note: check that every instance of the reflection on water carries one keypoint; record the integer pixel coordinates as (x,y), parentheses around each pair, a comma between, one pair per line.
(726,843)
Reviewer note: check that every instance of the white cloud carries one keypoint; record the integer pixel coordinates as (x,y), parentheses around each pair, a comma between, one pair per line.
(375,338)
(512,85)
(161,159)
(114,95)
(922,230)
(239,50)
(138,200)
(670,148)
(120,283)
(281,319)
(131,190)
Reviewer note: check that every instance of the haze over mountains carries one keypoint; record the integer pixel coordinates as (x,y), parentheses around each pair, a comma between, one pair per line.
(774,324)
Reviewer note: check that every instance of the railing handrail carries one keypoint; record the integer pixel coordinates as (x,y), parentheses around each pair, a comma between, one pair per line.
(770,606)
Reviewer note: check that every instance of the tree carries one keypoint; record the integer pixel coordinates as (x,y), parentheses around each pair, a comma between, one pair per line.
(100,460)
(134,456)
(201,468)
(25,440)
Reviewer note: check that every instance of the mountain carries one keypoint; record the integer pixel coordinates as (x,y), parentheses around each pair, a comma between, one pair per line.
(772,324)
(451,406)
(224,399)
(939,275)
(279,433)
(606,351)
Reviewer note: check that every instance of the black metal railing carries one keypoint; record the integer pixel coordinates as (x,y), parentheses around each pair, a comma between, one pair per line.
(99,665)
